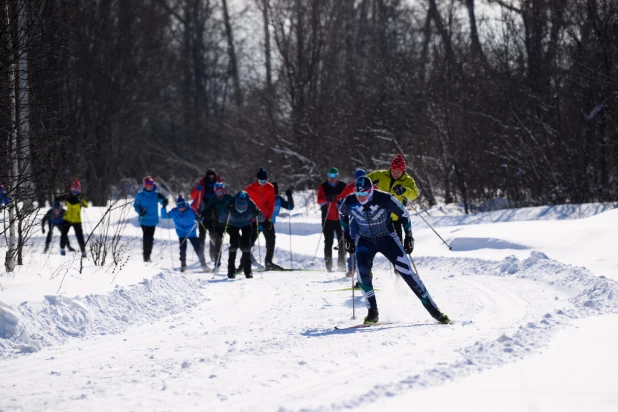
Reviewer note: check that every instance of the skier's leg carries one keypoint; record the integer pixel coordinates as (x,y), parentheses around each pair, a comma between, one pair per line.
(269,236)
(341,257)
(201,233)
(183,252)
(394,252)
(49,237)
(218,231)
(365,252)
(64,235)
(231,264)
(245,246)
(79,234)
(329,233)
(149,232)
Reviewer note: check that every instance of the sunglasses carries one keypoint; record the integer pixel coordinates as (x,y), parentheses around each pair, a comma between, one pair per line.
(333,175)
(262,182)
(149,183)
(361,193)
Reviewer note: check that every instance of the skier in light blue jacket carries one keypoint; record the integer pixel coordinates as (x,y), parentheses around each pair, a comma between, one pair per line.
(186,221)
(146,205)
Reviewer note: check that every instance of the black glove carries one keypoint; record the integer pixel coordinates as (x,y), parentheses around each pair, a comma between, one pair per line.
(331,198)
(288,192)
(229,208)
(165,202)
(43,227)
(399,190)
(143,212)
(408,243)
(349,245)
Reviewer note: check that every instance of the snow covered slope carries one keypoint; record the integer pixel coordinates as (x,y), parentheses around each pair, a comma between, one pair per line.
(538,293)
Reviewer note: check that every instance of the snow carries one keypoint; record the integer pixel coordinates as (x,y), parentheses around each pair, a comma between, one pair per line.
(538,284)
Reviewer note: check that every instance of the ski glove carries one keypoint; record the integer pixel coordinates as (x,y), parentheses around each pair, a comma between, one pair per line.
(43,227)
(399,190)
(408,243)
(165,202)
(288,192)
(349,245)
(143,212)
(331,198)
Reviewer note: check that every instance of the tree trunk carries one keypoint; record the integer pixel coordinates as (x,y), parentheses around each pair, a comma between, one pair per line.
(233,65)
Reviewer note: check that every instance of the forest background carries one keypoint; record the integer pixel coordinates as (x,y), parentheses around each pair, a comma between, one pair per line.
(485,98)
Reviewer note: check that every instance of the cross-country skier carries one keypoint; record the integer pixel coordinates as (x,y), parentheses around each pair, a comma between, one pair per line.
(238,215)
(73,217)
(54,218)
(263,195)
(146,205)
(281,202)
(186,221)
(203,191)
(398,183)
(372,232)
(330,193)
(211,212)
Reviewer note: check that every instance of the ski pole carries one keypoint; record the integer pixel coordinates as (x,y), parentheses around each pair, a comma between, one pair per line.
(169,237)
(413,265)
(434,231)
(353,277)
(320,238)
(290,231)
(214,272)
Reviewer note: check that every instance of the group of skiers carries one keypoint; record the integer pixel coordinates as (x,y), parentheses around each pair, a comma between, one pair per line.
(367,216)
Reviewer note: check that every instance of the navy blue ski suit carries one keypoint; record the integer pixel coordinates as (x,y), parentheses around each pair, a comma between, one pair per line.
(371,227)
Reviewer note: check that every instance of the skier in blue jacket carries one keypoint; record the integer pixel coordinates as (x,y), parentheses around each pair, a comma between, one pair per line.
(186,221)
(373,232)
(281,202)
(146,205)
(238,215)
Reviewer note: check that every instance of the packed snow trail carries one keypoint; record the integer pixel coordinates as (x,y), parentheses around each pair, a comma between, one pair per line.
(269,343)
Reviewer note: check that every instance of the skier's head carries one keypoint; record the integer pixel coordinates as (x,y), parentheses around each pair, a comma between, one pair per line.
(56,208)
(398,166)
(241,203)
(219,190)
(148,183)
(363,188)
(181,203)
(333,176)
(76,187)
(1,188)
(359,173)
(262,176)
(211,176)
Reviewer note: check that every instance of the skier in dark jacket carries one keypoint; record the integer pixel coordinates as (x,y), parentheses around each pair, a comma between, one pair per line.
(54,218)
(211,212)
(203,191)
(239,214)
(372,232)
(330,194)
(185,221)
(146,205)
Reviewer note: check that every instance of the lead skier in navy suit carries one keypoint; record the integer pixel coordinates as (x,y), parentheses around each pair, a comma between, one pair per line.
(370,232)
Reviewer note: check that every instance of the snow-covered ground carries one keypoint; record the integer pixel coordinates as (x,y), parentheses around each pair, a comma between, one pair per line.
(539,285)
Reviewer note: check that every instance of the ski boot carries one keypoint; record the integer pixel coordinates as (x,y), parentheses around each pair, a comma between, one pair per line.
(231,275)
(255,262)
(70,248)
(443,318)
(183,267)
(372,317)
(205,268)
(46,249)
(249,275)
(62,252)
(272,266)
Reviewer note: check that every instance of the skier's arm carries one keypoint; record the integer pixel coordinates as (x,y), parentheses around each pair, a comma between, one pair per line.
(284,203)
(396,207)
(137,204)
(408,185)
(322,196)
(45,219)
(344,220)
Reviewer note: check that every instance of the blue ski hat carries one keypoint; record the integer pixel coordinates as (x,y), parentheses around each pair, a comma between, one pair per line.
(363,184)
(241,204)
(181,202)
(359,173)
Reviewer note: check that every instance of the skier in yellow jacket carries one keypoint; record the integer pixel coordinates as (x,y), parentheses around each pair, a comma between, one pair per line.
(73,217)
(398,183)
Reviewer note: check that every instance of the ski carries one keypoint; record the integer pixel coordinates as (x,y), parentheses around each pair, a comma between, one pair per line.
(344,289)
(362,325)
(457,322)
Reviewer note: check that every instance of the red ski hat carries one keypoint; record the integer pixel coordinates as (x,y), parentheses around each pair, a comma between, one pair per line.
(76,186)
(398,163)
